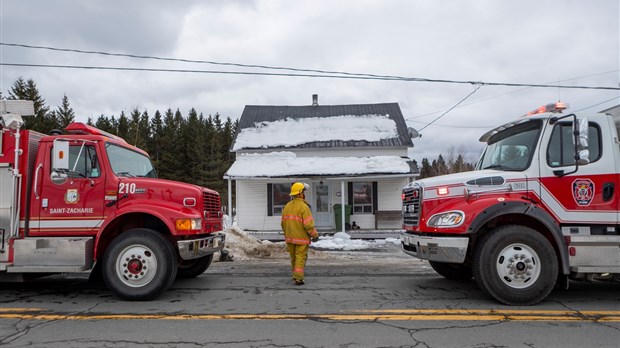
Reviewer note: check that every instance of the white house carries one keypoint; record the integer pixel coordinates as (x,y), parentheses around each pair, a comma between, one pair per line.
(351,155)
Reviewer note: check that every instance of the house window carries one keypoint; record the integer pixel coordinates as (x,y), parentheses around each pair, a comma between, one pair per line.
(363,194)
(279,197)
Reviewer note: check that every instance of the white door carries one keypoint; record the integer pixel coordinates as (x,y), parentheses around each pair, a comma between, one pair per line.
(322,206)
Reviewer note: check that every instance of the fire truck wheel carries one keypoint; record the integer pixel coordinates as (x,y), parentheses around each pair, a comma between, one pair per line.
(452,271)
(194,268)
(515,265)
(139,265)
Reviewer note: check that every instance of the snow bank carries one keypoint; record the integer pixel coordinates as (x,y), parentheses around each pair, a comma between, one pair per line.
(343,241)
(242,246)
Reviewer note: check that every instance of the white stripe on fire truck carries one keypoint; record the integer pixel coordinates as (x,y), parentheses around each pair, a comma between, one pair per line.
(63,223)
(572,216)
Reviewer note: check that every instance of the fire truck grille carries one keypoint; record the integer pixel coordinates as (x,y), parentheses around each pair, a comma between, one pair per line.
(412,200)
(211,204)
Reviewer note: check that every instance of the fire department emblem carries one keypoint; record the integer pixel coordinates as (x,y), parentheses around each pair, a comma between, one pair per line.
(72,196)
(583,191)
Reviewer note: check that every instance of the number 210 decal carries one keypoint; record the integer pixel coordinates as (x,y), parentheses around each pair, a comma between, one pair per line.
(127,187)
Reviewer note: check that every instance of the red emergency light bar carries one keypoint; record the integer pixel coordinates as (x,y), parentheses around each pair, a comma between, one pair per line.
(81,128)
(553,107)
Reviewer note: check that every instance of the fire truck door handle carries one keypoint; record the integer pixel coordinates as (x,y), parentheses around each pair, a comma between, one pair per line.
(608,191)
(36,180)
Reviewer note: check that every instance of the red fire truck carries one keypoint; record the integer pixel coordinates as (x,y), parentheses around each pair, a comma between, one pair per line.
(87,201)
(542,207)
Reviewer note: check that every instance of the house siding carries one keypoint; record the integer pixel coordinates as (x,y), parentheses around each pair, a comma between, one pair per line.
(251,205)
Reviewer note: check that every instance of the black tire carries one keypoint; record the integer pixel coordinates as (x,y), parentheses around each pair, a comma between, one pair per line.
(525,279)
(139,265)
(194,268)
(452,271)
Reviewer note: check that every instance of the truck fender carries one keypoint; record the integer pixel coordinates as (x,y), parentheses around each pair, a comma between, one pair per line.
(162,213)
(531,210)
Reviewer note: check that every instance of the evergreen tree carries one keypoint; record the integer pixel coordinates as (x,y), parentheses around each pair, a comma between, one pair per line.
(192,155)
(106,124)
(458,165)
(123,127)
(153,145)
(65,113)
(27,90)
(170,162)
(442,168)
(426,171)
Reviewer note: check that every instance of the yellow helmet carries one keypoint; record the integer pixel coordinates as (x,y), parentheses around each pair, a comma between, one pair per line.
(297,188)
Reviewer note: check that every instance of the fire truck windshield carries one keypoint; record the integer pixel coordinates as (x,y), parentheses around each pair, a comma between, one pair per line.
(129,163)
(512,149)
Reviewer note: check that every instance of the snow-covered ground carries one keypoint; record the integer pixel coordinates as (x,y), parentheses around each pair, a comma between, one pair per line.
(243,246)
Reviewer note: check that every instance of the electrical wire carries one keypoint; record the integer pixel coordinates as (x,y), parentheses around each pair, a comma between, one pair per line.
(322,73)
(509,93)
(597,104)
(476,88)
(354,77)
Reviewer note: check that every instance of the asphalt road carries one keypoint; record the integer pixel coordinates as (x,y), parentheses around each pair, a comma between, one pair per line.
(379,298)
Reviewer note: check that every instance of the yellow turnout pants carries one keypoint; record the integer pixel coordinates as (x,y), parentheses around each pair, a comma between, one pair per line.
(299,255)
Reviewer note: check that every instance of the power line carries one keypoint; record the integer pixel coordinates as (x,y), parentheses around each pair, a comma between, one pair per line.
(184,60)
(455,105)
(597,104)
(512,92)
(355,77)
(456,126)
(322,73)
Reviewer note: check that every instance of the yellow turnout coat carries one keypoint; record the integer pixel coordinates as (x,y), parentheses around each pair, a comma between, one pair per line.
(297,222)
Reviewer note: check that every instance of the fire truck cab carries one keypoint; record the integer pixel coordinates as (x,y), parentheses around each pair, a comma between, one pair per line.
(87,201)
(542,207)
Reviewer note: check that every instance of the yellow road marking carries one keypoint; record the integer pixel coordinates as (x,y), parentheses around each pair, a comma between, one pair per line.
(20,309)
(370,315)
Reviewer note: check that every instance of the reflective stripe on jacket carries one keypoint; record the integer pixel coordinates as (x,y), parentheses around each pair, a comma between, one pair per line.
(297,222)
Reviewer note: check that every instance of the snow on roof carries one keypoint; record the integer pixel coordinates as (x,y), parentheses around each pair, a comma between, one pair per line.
(290,132)
(284,163)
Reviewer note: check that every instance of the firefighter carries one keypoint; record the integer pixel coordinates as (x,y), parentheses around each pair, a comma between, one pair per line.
(298,226)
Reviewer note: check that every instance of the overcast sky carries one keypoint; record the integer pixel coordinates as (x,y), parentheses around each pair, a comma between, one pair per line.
(559,42)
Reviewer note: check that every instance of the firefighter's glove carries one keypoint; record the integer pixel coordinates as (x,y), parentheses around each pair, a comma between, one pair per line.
(315,239)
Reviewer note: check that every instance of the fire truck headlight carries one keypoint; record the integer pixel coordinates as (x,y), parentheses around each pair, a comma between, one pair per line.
(188,224)
(447,219)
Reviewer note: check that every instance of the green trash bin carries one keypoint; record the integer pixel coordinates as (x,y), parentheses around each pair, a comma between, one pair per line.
(338,216)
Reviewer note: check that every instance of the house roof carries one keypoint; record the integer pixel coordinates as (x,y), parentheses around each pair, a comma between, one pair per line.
(321,126)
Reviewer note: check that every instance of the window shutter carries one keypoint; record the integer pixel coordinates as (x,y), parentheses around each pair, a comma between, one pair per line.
(350,193)
(375,199)
(269,200)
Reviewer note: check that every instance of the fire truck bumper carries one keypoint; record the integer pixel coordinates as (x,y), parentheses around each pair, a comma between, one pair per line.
(196,248)
(440,249)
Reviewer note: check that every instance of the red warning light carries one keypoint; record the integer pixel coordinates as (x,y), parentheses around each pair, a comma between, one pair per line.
(553,107)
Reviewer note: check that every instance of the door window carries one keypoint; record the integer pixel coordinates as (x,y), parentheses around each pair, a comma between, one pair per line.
(561,150)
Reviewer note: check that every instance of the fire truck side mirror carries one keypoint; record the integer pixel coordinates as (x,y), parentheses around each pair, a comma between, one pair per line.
(583,152)
(60,160)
